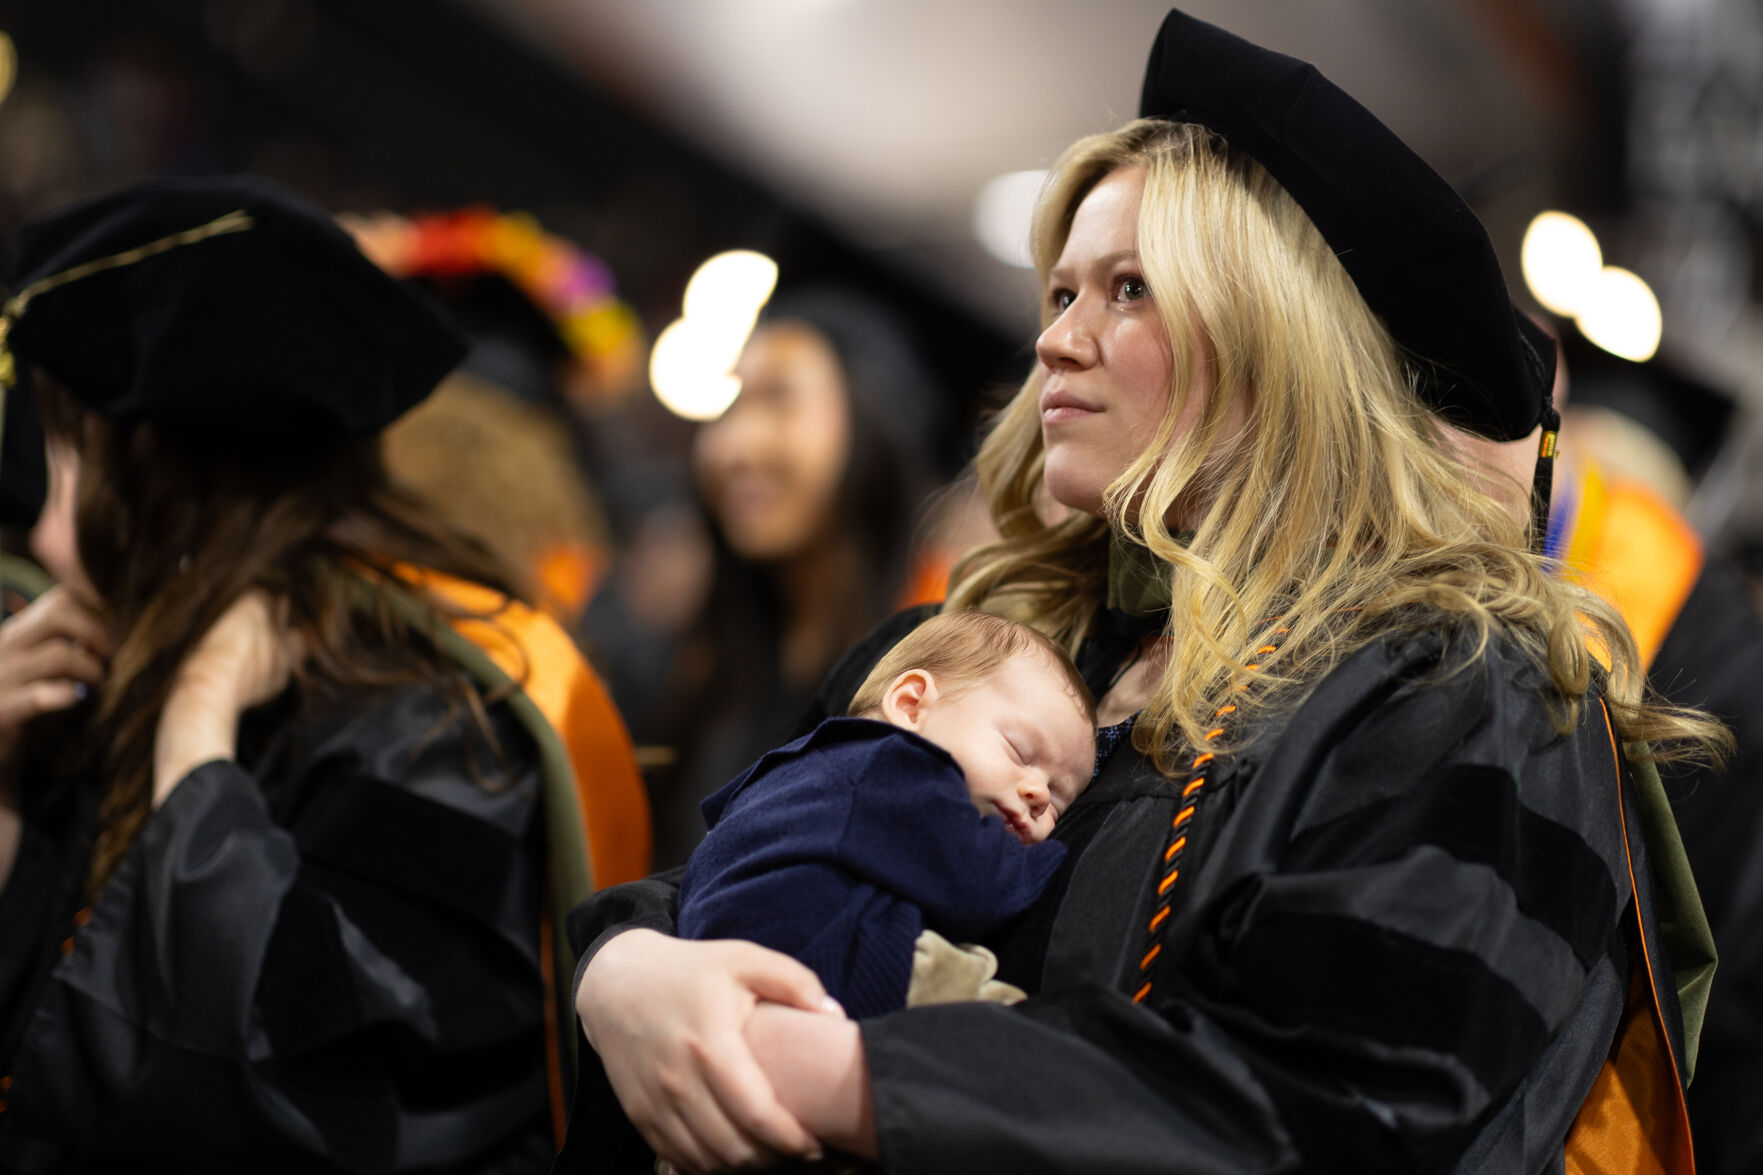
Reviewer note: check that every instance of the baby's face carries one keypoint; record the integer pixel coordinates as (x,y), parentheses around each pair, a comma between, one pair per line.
(1021,738)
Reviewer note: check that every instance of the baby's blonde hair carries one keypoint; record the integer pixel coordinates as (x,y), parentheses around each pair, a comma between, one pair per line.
(960,649)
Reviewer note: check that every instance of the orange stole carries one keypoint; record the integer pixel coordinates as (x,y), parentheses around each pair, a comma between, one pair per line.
(1634,1120)
(568,573)
(530,647)
(1632,548)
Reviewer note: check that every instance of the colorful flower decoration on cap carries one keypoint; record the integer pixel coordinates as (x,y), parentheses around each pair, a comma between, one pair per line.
(572,287)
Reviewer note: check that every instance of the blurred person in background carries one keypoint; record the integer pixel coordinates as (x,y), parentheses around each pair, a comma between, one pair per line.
(283,758)
(550,347)
(504,470)
(811,482)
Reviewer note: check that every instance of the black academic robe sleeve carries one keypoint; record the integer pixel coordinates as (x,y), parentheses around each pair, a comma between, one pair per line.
(1395,944)
(327,962)
(601,1138)
(1400,926)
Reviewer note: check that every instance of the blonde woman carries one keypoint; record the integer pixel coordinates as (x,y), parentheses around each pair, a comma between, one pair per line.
(1361,883)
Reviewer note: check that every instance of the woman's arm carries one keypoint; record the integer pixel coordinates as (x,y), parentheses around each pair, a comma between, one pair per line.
(352,979)
(1407,953)
(669,1019)
(1405,941)
(243,661)
(817,1069)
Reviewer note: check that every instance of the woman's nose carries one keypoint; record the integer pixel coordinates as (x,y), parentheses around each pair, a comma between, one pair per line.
(1068,342)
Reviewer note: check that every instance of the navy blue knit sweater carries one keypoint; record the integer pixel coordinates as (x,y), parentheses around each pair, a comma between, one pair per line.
(839,848)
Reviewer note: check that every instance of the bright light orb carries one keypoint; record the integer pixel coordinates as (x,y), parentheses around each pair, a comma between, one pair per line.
(1002,212)
(692,364)
(690,371)
(732,285)
(1622,316)
(1561,261)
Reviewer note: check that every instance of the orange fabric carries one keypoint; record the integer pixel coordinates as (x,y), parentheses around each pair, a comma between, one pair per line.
(530,647)
(567,574)
(1633,549)
(1634,1120)
(1629,1105)
(928,581)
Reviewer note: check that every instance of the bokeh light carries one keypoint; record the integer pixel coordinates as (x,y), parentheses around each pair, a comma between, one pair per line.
(731,285)
(691,367)
(1001,214)
(1621,315)
(1561,261)
(690,373)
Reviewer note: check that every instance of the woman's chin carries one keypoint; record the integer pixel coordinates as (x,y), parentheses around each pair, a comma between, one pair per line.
(766,540)
(1074,489)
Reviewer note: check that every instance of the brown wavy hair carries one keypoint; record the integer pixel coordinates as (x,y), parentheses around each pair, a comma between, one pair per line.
(1343,511)
(174,526)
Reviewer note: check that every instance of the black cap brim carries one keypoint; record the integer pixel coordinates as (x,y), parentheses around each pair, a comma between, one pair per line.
(1413,247)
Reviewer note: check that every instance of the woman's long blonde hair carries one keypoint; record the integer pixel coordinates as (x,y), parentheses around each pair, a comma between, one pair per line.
(1342,510)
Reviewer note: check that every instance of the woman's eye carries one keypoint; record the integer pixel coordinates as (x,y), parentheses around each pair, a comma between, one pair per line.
(1131,289)
(1060,299)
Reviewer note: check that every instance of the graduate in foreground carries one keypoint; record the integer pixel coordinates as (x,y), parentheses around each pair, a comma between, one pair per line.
(1364,882)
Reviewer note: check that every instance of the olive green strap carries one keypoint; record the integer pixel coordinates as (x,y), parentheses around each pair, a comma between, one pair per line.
(20,575)
(1138,581)
(571,873)
(1682,923)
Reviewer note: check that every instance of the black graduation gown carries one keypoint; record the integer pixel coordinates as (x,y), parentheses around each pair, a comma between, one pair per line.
(1396,941)
(322,957)
(1712,657)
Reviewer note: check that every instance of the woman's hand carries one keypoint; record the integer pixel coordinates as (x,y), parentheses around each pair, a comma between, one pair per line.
(243,661)
(817,1066)
(50,655)
(669,1020)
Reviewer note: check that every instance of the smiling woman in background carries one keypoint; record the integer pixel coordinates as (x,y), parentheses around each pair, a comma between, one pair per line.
(811,482)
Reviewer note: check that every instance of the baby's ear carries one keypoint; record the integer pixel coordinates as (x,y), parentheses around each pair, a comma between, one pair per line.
(907,697)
